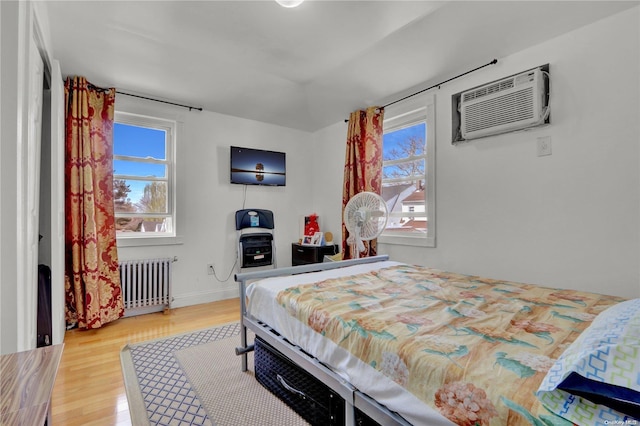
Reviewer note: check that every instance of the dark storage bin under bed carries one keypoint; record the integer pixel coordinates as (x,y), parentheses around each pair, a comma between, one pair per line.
(306,395)
(363,420)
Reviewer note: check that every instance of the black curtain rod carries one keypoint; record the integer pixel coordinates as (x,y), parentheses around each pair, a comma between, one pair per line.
(495,61)
(159,100)
(93,86)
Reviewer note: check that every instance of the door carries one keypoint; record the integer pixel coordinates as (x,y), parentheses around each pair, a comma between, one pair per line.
(57,204)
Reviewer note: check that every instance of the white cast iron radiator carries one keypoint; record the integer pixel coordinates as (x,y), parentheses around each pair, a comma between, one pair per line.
(146,285)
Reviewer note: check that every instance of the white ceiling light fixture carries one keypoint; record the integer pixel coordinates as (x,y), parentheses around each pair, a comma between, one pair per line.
(289,3)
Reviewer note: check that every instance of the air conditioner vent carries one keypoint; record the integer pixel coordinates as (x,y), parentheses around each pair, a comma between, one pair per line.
(487,90)
(506,105)
(489,113)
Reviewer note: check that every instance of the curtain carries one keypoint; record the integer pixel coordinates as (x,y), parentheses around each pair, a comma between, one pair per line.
(363,166)
(92,280)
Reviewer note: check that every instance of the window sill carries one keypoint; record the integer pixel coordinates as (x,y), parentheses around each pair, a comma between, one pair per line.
(148,241)
(407,240)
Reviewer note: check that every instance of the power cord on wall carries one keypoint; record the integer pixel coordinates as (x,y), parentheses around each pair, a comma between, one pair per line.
(235,263)
(547,110)
(215,274)
(244,197)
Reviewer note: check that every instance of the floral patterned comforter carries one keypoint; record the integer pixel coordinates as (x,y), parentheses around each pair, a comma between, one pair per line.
(475,349)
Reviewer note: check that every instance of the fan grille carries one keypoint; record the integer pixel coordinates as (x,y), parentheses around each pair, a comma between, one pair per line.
(366,213)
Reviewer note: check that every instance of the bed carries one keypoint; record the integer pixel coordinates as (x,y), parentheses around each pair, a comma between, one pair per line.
(404,344)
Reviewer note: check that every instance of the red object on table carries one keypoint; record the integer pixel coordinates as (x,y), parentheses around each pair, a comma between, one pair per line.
(311,225)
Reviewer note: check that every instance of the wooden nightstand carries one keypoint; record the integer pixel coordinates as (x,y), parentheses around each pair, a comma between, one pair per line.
(303,255)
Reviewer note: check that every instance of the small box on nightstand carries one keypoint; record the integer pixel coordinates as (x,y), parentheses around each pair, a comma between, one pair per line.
(304,254)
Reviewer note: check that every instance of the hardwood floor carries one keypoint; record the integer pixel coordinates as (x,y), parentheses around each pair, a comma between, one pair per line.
(89,389)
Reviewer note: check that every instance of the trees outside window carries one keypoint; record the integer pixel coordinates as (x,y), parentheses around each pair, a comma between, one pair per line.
(143,176)
(408,180)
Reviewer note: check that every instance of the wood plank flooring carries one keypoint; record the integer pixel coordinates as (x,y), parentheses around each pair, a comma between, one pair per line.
(89,388)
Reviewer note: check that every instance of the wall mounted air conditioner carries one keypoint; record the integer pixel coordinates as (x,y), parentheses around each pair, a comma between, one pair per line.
(505,105)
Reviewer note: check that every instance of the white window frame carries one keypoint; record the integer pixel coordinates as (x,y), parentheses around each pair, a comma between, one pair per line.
(407,113)
(170,127)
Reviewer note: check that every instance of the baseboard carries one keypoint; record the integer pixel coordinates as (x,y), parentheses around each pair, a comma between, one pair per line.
(198,298)
(132,312)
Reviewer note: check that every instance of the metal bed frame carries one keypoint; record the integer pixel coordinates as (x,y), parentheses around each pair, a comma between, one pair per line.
(352,397)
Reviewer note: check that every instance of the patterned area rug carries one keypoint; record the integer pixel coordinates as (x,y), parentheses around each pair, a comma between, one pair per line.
(195,379)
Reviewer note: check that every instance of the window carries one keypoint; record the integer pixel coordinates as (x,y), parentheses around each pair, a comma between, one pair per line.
(143,176)
(408,172)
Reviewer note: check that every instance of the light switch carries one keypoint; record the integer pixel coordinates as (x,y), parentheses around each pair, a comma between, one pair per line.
(544,146)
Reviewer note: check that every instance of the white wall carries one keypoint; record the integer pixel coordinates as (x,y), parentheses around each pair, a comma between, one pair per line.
(570,219)
(329,146)
(10,312)
(207,202)
(24,41)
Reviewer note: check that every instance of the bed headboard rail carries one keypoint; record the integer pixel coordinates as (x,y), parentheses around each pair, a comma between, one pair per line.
(313,267)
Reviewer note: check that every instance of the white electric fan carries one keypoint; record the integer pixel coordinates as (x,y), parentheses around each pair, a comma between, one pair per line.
(365,217)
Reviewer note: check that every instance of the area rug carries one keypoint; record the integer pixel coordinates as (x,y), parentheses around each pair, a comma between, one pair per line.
(196,379)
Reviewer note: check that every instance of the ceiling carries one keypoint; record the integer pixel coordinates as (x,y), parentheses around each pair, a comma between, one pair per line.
(303,68)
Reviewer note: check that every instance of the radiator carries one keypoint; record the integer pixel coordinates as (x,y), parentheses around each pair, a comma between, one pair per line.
(146,285)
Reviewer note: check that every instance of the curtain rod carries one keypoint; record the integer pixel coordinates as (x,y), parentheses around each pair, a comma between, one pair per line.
(103,89)
(159,100)
(495,61)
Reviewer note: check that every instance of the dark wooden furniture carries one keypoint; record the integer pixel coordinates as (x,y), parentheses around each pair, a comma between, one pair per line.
(305,254)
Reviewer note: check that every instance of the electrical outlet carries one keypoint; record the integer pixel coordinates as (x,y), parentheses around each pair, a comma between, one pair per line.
(210,270)
(544,146)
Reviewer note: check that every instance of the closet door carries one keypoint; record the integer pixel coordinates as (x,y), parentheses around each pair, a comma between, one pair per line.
(29,201)
(57,204)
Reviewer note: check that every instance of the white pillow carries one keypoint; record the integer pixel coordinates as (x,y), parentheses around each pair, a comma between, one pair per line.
(596,381)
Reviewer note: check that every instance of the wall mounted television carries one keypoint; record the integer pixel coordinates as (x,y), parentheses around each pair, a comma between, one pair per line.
(250,166)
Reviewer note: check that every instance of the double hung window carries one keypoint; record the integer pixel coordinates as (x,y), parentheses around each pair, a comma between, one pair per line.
(143,186)
(408,183)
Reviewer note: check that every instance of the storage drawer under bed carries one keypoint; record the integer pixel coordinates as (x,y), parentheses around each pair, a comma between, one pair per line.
(305,394)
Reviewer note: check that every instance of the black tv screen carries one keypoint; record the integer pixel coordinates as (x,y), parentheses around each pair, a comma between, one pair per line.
(251,166)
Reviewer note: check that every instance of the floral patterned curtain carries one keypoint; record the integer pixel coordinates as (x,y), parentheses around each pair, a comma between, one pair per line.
(363,166)
(92,280)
